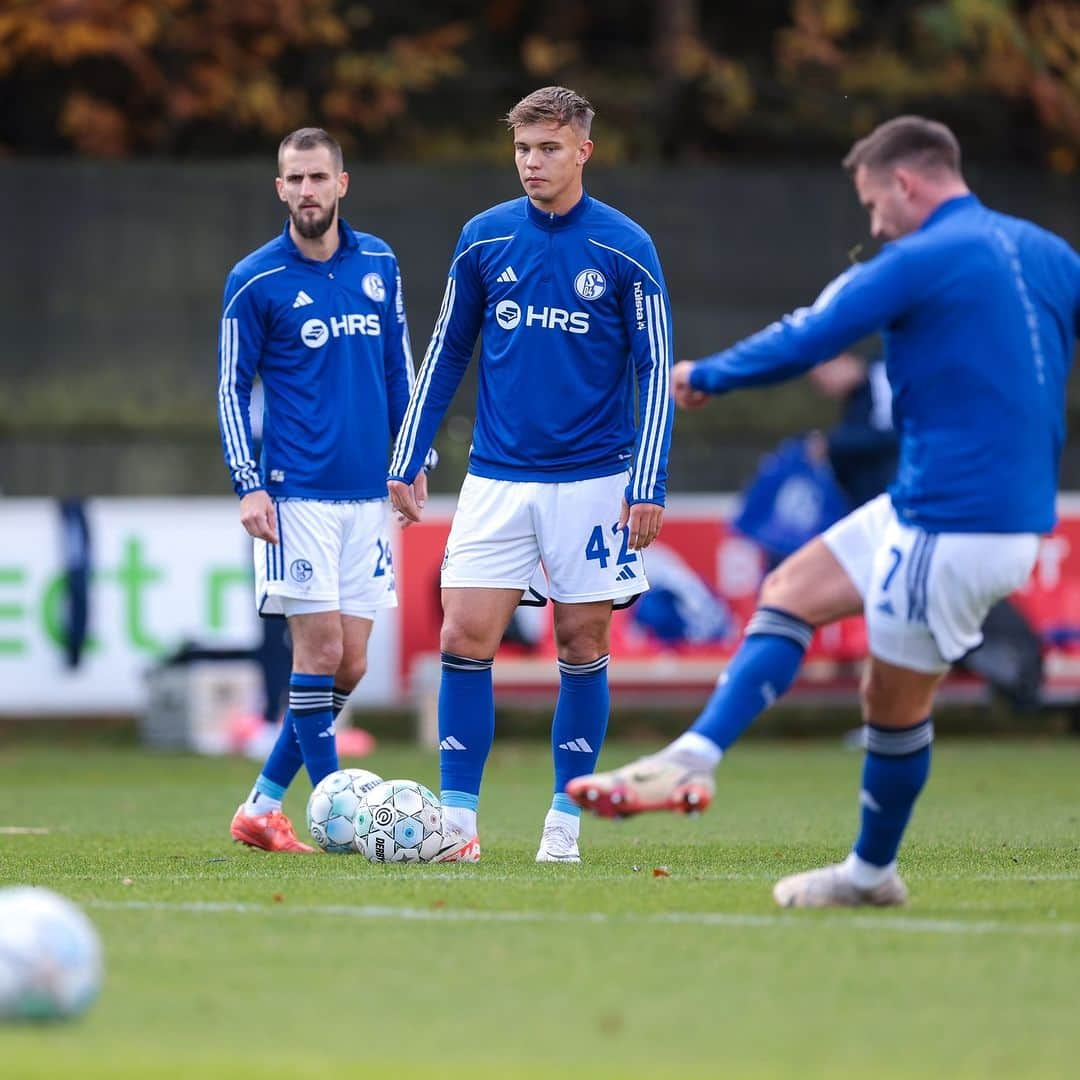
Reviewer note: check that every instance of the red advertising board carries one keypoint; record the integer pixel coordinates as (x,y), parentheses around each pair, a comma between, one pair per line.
(697,538)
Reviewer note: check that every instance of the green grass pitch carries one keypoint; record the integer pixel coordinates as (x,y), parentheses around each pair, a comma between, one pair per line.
(225,962)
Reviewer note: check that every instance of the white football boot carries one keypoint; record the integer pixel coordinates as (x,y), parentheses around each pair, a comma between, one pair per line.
(831,886)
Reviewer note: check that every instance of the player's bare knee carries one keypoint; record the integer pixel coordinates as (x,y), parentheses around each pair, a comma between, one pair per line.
(466,640)
(321,657)
(776,589)
(351,671)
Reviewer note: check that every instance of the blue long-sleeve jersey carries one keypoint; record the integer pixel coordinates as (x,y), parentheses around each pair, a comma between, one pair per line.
(331,344)
(574,316)
(980,313)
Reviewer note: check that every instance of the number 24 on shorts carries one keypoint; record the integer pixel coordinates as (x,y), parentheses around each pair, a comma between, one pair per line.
(597,549)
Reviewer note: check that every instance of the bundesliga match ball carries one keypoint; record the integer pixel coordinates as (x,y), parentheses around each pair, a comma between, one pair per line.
(399,821)
(332,807)
(50,956)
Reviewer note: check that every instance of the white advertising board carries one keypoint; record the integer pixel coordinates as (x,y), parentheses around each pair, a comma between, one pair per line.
(164,572)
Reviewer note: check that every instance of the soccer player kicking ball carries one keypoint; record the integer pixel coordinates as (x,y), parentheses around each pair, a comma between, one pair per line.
(980,312)
(571,304)
(319,314)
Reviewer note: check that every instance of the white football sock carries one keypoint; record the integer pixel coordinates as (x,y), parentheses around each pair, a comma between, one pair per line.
(260,803)
(694,751)
(866,875)
(462,817)
(570,822)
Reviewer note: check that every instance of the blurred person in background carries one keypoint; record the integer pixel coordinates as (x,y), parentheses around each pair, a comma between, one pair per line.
(571,302)
(862,448)
(319,314)
(980,313)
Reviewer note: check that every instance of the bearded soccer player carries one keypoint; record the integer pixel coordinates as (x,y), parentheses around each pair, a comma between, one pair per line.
(980,313)
(569,458)
(318,314)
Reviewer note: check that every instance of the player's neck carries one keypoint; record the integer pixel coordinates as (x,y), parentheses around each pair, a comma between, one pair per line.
(563,203)
(320,248)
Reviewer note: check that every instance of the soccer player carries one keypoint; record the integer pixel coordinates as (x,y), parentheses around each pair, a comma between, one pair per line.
(980,313)
(571,304)
(318,313)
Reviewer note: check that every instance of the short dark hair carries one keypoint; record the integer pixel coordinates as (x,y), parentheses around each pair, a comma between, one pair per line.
(308,138)
(553,105)
(910,140)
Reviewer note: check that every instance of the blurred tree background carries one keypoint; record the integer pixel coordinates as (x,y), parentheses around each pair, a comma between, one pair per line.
(674,80)
(127,118)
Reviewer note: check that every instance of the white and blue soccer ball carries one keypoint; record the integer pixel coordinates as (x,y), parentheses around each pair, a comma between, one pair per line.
(51,963)
(331,809)
(399,821)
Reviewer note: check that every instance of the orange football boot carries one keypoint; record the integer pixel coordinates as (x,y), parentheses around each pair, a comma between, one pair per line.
(271,832)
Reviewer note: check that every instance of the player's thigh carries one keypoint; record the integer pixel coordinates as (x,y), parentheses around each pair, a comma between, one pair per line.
(367,564)
(586,555)
(897,697)
(317,641)
(492,542)
(475,619)
(582,631)
(812,585)
(304,564)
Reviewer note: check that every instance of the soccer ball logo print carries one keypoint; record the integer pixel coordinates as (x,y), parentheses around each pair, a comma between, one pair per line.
(373,287)
(301,570)
(508,314)
(399,821)
(590,285)
(314,333)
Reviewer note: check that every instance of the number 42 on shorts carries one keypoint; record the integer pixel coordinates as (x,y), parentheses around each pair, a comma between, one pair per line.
(597,549)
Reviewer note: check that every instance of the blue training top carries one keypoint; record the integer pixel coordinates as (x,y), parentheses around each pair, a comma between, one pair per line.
(980,312)
(330,342)
(574,315)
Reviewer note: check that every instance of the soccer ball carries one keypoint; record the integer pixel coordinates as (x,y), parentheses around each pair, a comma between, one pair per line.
(50,956)
(399,821)
(332,807)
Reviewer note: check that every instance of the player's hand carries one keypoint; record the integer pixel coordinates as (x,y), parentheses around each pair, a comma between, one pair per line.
(408,499)
(643,522)
(686,397)
(257,515)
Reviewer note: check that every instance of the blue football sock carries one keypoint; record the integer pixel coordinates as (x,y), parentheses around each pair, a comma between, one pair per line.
(466,722)
(311,712)
(581,719)
(896,767)
(286,757)
(340,698)
(761,671)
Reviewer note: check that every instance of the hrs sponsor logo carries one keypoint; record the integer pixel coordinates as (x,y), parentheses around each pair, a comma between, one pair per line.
(316,333)
(639,305)
(509,316)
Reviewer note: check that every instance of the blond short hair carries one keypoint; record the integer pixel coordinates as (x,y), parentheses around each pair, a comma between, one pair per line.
(553,105)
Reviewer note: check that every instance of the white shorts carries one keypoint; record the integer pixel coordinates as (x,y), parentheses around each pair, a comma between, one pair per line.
(330,556)
(503,530)
(925,595)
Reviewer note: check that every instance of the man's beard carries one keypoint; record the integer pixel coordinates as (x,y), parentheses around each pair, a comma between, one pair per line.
(312,228)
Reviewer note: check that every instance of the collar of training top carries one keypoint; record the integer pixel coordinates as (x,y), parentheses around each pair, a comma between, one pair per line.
(548,220)
(949,207)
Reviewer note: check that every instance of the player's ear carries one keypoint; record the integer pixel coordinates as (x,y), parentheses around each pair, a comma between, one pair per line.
(279,184)
(585,151)
(342,184)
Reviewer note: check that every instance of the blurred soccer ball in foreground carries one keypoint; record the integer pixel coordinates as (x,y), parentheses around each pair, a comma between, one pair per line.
(399,821)
(332,808)
(50,956)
